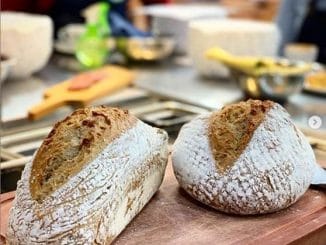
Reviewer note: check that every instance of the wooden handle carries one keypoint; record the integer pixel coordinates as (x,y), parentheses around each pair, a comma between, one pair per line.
(47,106)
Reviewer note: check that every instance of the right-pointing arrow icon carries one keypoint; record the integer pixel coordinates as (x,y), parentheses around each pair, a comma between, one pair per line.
(315,122)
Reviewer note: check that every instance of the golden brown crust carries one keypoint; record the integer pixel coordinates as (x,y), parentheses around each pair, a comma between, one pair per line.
(231,129)
(74,142)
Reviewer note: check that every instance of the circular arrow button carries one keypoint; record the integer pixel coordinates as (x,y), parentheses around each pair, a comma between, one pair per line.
(315,122)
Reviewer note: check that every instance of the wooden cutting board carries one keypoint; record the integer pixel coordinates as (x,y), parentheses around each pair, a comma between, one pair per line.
(112,79)
(172,217)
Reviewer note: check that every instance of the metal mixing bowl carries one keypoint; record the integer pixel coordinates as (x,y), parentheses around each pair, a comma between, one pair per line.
(274,86)
(149,49)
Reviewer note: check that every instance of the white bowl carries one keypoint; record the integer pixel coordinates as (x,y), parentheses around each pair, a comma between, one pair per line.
(27,38)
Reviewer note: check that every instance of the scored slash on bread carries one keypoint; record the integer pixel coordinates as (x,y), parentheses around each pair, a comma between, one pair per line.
(231,129)
(247,158)
(98,168)
(74,142)
(94,172)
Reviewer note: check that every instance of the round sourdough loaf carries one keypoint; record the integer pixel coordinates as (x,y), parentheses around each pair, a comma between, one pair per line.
(247,158)
(93,173)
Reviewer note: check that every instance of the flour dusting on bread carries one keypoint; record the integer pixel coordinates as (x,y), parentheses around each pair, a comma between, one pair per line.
(272,172)
(94,204)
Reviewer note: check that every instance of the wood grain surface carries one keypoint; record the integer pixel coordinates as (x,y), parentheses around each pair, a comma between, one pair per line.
(61,93)
(172,217)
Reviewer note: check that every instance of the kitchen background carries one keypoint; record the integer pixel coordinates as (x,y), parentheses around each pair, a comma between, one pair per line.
(164,60)
(165,77)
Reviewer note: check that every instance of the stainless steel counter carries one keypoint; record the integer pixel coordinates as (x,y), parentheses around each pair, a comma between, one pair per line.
(174,78)
(182,82)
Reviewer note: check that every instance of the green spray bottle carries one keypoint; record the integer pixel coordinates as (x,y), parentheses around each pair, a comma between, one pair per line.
(92,49)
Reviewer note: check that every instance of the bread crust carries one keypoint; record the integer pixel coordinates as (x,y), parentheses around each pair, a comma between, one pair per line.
(231,128)
(94,205)
(74,142)
(272,172)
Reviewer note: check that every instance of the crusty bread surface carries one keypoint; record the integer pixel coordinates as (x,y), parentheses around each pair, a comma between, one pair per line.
(92,175)
(74,142)
(247,158)
(231,129)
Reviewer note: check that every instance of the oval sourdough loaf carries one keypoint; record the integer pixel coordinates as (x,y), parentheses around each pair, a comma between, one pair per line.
(247,158)
(93,173)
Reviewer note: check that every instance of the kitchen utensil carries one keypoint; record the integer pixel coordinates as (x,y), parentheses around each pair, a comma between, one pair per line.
(60,94)
(269,86)
(27,38)
(239,37)
(261,77)
(149,49)
(173,20)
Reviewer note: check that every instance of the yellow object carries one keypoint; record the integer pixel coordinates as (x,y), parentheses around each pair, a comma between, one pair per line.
(60,94)
(317,80)
(252,86)
(255,65)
